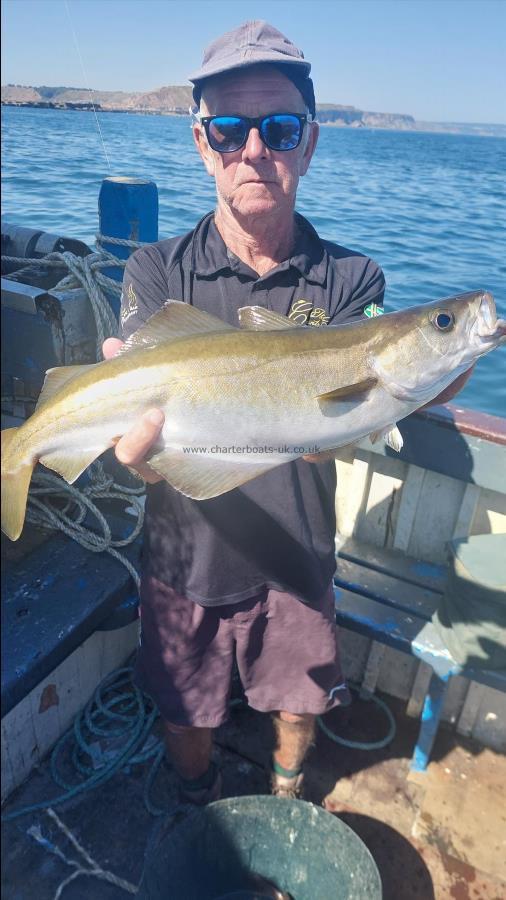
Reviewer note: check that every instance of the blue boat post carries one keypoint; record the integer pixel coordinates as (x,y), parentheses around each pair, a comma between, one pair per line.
(127,209)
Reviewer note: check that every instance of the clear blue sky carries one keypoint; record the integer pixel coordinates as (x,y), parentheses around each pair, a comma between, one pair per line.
(440,60)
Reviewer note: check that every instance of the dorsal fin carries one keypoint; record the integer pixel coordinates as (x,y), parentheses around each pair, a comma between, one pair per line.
(56,378)
(174,320)
(256,318)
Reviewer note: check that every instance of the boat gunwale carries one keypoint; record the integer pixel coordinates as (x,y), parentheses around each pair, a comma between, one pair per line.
(467,421)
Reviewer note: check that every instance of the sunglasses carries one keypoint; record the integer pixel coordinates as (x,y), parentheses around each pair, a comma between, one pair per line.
(279,131)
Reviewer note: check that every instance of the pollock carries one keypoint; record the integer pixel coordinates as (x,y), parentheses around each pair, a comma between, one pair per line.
(240,401)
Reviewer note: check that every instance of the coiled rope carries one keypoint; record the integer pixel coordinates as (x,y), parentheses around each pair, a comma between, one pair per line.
(363,745)
(120,714)
(86,272)
(47,490)
(123,716)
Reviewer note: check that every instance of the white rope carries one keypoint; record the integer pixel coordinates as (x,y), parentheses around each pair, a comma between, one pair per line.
(48,490)
(86,272)
(47,511)
(93,869)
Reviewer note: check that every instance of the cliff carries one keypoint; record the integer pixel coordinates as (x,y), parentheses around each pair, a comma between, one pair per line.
(176,100)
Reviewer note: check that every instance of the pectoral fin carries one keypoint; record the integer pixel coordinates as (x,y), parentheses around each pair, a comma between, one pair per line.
(351,393)
(201,478)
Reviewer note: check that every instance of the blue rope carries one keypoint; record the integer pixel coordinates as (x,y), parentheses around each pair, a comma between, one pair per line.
(362,745)
(117,709)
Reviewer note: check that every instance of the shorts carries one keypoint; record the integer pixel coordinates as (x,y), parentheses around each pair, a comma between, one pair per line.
(286,652)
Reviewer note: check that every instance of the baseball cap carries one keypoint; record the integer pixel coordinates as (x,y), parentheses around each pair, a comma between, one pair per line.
(253,43)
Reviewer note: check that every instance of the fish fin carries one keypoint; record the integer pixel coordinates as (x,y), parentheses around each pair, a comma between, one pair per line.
(16,477)
(56,378)
(201,478)
(346,453)
(351,393)
(391,436)
(174,320)
(70,464)
(256,318)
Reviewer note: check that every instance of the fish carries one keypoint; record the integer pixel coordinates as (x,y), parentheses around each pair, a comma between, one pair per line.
(240,401)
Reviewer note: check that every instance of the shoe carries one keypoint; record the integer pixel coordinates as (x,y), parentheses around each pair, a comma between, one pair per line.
(202,796)
(289,788)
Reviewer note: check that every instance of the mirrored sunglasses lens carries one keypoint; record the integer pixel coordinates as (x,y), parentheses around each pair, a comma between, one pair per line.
(227,133)
(282,132)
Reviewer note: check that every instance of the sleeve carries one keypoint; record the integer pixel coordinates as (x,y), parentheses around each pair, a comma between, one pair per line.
(144,290)
(363,296)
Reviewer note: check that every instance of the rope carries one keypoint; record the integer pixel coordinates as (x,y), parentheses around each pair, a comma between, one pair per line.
(86,272)
(78,503)
(121,713)
(92,868)
(362,745)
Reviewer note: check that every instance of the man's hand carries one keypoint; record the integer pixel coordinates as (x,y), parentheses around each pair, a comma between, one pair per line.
(324,456)
(132,447)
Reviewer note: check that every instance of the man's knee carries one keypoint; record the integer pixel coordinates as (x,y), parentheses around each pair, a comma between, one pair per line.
(179,730)
(295,718)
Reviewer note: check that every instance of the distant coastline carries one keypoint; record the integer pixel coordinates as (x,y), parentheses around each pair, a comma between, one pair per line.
(175,100)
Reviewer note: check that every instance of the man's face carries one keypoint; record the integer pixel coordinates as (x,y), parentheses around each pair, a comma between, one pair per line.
(254,180)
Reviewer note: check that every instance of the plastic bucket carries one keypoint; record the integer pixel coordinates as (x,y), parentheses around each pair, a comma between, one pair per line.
(296,846)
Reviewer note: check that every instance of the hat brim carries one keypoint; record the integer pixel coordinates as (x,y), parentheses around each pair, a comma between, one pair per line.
(252,59)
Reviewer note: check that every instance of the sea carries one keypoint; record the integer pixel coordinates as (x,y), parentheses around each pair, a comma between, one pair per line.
(430,208)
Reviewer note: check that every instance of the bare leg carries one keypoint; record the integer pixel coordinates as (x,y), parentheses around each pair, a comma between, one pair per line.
(294,735)
(189,749)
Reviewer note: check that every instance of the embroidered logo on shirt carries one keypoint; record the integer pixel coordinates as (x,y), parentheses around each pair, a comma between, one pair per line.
(302,312)
(373,310)
(130,308)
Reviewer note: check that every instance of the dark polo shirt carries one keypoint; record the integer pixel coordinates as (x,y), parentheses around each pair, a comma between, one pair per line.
(279,529)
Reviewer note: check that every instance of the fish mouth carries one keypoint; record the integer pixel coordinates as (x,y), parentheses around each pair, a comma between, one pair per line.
(491,330)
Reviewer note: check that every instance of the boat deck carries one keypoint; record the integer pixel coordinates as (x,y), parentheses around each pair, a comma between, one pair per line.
(439,836)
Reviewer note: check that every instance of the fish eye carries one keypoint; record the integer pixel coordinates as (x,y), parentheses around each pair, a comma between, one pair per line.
(443,320)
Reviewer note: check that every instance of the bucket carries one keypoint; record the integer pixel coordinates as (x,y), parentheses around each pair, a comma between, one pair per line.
(251,847)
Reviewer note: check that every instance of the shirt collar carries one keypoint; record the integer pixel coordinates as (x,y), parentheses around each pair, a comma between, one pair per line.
(210,254)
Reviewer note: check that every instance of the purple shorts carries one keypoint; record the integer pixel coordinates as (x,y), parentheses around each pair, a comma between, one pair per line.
(286,653)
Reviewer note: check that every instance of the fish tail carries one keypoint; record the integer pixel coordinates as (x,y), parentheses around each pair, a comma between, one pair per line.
(16,477)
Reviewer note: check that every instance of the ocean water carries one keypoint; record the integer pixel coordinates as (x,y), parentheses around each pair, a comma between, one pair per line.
(429,208)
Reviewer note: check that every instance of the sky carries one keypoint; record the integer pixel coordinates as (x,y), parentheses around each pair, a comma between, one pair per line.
(438,60)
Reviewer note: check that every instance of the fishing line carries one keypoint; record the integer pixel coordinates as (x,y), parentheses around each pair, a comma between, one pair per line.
(76,44)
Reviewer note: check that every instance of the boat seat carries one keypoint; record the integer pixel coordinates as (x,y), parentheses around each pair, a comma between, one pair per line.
(54,598)
(391,598)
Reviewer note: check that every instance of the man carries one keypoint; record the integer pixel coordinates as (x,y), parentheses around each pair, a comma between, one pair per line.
(247,574)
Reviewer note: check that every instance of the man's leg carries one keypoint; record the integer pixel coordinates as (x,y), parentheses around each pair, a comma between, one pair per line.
(184,664)
(189,750)
(288,659)
(294,736)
